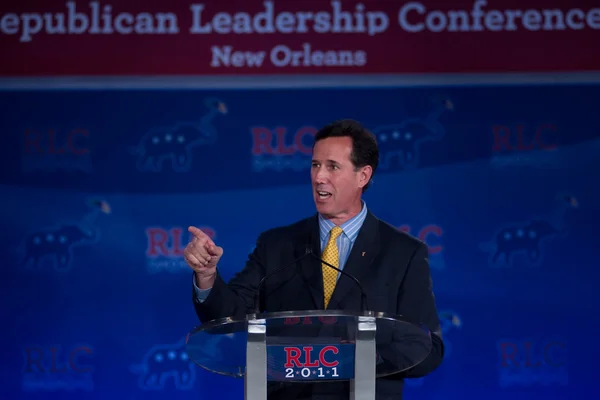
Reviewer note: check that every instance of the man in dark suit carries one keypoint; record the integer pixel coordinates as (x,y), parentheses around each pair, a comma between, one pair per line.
(391,265)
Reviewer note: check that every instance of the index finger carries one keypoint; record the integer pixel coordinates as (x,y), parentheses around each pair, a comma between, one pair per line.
(199,234)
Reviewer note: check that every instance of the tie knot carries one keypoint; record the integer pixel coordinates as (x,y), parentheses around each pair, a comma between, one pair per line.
(335,232)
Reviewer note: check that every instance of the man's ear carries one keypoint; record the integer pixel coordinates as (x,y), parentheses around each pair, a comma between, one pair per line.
(364,175)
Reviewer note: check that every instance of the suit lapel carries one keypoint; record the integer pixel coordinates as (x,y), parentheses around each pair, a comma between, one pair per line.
(310,267)
(365,249)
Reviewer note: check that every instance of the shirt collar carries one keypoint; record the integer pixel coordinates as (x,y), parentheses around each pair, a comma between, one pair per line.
(350,227)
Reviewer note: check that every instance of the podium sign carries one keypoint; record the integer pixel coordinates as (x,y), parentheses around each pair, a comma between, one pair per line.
(309,346)
(308,362)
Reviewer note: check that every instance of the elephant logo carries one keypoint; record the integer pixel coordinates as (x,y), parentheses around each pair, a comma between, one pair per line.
(57,243)
(175,143)
(524,238)
(527,237)
(400,143)
(166,361)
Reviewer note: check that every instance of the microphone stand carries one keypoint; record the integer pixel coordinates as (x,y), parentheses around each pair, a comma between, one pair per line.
(308,252)
(363,296)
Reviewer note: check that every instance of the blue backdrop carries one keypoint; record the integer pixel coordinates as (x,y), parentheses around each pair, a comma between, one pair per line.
(98,188)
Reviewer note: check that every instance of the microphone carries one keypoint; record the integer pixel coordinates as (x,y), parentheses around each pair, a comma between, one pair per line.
(308,252)
(363,296)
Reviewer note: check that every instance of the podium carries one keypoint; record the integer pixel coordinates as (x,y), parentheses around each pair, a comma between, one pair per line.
(309,346)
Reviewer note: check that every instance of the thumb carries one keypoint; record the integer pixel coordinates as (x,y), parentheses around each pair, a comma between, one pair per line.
(216,251)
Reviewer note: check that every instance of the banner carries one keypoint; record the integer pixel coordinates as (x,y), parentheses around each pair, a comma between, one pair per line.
(307,36)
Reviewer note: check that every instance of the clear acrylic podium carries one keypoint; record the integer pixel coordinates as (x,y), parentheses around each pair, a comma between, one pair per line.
(309,346)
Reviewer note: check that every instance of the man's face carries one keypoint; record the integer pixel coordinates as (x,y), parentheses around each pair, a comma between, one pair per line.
(337,186)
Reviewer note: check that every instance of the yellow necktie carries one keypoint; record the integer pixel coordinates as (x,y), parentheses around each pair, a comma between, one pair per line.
(331,254)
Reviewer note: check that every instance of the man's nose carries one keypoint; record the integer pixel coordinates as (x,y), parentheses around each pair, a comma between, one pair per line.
(320,176)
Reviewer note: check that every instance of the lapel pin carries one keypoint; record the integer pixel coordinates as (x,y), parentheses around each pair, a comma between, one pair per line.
(363,253)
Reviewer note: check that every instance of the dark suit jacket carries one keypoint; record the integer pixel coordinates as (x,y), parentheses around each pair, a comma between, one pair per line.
(394,272)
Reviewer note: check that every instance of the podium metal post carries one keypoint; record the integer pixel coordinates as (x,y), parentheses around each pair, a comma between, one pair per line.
(255,378)
(362,387)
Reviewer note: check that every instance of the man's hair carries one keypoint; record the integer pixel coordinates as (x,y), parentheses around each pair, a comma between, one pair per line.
(364,145)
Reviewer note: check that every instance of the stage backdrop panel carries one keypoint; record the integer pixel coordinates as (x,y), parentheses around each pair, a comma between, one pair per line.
(99,187)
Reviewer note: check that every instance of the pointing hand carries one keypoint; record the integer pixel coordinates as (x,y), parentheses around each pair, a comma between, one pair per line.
(202,256)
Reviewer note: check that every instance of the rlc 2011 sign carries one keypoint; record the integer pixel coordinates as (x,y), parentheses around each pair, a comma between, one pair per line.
(292,358)
(334,361)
